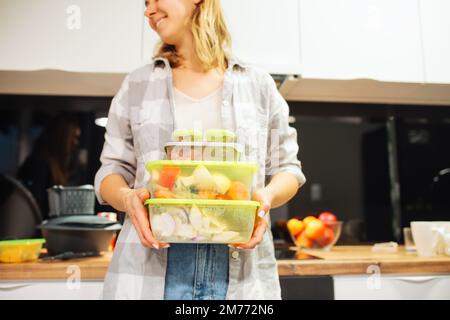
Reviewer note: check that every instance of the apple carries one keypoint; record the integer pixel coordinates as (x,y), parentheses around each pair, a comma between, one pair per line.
(327,237)
(328,218)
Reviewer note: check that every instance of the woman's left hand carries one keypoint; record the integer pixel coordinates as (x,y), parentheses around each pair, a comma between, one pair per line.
(264,197)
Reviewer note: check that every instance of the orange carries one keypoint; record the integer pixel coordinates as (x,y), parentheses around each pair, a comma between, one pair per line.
(308,219)
(295,226)
(315,229)
(238,191)
(304,241)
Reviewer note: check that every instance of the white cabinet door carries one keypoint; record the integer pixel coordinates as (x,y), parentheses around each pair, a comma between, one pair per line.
(349,39)
(435,17)
(265,33)
(392,287)
(82,35)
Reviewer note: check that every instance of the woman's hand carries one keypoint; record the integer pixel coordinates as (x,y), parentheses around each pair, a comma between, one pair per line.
(133,202)
(265,198)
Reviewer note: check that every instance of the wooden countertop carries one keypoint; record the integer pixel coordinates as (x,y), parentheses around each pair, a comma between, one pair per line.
(341,260)
(354,260)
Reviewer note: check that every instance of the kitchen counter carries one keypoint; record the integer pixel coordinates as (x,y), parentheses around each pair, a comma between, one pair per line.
(341,260)
(360,260)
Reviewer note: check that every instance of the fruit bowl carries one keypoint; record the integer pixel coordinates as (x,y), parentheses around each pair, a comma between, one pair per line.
(315,233)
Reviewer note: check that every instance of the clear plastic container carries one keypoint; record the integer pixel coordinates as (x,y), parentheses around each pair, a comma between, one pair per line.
(203,151)
(202,221)
(220,135)
(20,250)
(214,180)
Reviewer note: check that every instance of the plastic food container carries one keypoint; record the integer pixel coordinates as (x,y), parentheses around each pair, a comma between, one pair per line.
(203,151)
(202,221)
(214,180)
(20,250)
(219,135)
(187,135)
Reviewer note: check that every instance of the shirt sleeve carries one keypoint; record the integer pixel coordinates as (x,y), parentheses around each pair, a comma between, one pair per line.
(118,156)
(282,145)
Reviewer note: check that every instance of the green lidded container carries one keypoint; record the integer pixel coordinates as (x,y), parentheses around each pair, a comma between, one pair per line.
(20,250)
(213,180)
(202,221)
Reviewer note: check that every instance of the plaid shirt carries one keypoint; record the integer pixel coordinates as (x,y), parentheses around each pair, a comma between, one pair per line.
(141,121)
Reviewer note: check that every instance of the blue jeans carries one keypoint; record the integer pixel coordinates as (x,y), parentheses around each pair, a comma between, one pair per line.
(196,272)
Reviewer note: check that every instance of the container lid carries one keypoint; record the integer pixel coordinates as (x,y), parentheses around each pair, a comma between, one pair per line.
(21,242)
(236,165)
(203,202)
(196,134)
(215,133)
(237,146)
(79,222)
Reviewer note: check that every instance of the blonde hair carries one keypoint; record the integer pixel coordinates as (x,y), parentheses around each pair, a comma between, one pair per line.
(211,38)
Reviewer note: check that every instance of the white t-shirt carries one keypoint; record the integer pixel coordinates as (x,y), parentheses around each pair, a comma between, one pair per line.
(199,114)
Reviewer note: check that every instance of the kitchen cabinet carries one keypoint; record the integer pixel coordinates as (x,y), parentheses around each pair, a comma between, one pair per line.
(368,39)
(263,33)
(435,21)
(82,35)
(388,287)
(50,290)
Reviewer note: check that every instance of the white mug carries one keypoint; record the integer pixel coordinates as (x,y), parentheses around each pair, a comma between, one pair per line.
(426,235)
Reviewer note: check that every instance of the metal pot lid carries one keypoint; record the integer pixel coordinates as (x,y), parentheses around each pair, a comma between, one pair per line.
(78,221)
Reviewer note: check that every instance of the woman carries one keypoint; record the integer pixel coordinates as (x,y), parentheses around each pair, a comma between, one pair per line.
(53,160)
(193,74)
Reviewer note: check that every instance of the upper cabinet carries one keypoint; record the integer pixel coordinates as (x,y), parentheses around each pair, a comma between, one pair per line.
(351,39)
(264,33)
(81,35)
(435,18)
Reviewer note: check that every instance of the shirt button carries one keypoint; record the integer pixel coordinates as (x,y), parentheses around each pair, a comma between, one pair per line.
(235,254)
(225,103)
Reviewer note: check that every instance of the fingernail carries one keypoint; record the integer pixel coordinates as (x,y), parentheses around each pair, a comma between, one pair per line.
(231,246)
(166,246)
(261,213)
(240,248)
(155,246)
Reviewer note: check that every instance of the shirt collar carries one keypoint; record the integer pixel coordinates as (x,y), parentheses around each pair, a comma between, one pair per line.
(234,64)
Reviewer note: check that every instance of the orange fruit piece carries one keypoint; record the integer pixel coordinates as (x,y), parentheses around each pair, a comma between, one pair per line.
(304,241)
(164,194)
(238,191)
(315,229)
(295,226)
(223,197)
(207,194)
(308,219)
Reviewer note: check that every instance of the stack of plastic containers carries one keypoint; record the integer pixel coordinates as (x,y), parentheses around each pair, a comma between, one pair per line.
(201,194)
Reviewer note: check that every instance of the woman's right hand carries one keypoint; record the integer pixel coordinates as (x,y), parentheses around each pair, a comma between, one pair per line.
(133,201)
